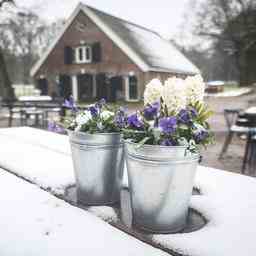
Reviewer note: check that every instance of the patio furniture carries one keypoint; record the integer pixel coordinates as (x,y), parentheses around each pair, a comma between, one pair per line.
(234,125)
(40,103)
(240,123)
(32,113)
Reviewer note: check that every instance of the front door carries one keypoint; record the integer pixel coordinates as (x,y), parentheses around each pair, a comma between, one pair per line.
(116,88)
(101,86)
(65,86)
(85,87)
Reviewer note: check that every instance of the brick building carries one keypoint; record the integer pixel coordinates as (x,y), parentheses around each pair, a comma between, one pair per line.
(98,55)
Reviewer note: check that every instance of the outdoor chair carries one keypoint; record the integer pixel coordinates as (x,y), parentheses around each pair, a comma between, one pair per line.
(56,111)
(240,124)
(27,114)
(235,125)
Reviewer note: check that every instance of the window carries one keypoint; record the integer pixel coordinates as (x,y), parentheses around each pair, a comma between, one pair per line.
(132,90)
(83,54)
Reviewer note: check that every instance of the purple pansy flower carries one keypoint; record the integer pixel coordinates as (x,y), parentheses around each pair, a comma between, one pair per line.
(151,111)
(94,111)
(168,125)
(70,104)
(53,127)
(168,142)
(100,103)
(200,135)
(184,116)
(134,122)
(120,118)
(193,112)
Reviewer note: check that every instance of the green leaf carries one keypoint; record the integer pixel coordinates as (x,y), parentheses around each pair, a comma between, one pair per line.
(142,142)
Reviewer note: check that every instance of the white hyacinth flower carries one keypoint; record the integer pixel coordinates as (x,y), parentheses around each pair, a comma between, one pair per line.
(83,118)
(195,88)
(174,94)
(106,114)
(153,92)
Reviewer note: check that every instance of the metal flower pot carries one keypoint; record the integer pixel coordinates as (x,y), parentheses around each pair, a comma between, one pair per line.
(98,162)
(161,182)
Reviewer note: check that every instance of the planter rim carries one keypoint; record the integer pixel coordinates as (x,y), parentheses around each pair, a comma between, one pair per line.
(191,159)
(154,146)
(94,134)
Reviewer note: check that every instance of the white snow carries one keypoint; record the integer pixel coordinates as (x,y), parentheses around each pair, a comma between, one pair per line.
(33,222)
(49,169)
(227,201)
(47,162)
(231,93)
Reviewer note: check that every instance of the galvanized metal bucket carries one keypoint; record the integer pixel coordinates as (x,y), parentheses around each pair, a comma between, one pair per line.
(98,162)
(161,182)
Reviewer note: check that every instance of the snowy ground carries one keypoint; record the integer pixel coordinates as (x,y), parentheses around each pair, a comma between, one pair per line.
(33,222)
(231,93)
(226,200)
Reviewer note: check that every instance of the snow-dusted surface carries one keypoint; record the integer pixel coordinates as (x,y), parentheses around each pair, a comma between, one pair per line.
(44,158)
(231,93)
(33,159)
(227,200)
(33,222)
(44,139)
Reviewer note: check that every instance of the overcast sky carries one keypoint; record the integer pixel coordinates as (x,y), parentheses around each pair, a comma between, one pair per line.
(164,16)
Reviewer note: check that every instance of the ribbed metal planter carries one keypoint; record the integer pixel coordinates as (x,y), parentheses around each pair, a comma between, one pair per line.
(98,161)
(161,182)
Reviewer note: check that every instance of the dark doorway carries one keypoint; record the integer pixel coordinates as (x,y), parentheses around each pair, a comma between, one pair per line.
(85,87)
(116,88)
(42,85)
(101,83)
(65,86)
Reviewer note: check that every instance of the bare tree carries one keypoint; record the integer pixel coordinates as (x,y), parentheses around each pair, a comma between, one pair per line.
(24,37)
(6,90)
(233,23)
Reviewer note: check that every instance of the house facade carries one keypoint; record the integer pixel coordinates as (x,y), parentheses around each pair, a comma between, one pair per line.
(98,56)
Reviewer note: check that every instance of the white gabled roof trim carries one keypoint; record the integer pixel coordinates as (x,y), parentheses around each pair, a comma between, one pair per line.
(40,62)
(109,32)
(115,38)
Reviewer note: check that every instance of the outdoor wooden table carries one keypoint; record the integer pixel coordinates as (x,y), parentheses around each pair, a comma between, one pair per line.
(20,105)
(225,200)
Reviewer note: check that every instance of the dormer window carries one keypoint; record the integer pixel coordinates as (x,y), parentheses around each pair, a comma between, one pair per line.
(83,54)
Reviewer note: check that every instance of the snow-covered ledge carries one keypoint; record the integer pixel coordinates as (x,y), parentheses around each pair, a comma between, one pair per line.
(33,222)
(226,200)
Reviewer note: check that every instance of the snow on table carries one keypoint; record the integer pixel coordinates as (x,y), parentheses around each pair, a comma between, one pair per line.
(50,169)
(33,222)
(43,158)
(227,200)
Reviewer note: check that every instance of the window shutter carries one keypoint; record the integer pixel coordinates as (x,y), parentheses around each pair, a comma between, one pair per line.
(96,52)
(68,55)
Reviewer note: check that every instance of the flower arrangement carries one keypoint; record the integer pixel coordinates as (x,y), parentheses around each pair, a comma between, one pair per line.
(97,118)
(174,114)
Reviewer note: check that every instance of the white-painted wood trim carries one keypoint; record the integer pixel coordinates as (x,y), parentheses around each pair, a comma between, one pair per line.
(75,87)
(40,62)
(127,91)
(94,86)
(118,40)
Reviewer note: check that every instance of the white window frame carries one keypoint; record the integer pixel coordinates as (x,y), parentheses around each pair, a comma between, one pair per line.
(85,58)
(127,91)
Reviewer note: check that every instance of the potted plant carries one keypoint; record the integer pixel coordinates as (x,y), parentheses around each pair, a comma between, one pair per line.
(162,152)
(97,152)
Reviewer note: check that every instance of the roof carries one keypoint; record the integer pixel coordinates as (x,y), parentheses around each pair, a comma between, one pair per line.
(146,48)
